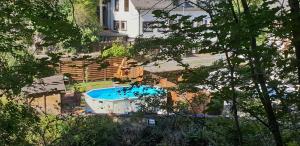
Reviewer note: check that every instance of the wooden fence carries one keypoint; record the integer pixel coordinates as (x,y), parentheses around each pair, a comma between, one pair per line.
(81,70)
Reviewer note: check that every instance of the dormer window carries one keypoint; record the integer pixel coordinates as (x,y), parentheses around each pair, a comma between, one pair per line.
(117,5)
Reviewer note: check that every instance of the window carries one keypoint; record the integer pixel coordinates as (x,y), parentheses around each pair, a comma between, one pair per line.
(162,26)
(120,25)
(148,26)
(116,5)
(116,25)
(124,25)
(126,5)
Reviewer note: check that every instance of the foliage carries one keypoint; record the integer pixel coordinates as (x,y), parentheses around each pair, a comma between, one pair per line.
(18,66)
(186,130)
(21,127)
(90,130)
(117,50)
(254,65)
(84,14)
(48,130)
(257,77)
(15,122)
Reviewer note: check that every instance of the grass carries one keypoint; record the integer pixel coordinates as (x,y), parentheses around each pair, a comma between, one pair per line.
(83,87)
(93,85)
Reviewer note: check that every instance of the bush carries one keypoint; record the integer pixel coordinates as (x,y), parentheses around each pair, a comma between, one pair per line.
(80,88)
(117,50)
(91,130)
(15,122)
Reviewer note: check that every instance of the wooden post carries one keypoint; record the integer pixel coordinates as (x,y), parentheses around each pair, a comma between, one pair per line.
(45,104)
(83,70)
(105,71)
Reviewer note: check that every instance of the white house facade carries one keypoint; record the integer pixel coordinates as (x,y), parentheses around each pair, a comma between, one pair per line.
(134,17)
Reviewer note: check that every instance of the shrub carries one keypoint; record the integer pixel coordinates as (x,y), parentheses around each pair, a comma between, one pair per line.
(80,88)
(117,50)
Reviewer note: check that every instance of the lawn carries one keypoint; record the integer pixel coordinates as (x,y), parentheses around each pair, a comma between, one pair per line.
(83,87)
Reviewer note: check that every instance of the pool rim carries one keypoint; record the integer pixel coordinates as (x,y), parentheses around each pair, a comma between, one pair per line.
(135,98)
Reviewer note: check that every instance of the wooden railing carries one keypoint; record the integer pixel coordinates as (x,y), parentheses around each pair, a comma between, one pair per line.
(133,73)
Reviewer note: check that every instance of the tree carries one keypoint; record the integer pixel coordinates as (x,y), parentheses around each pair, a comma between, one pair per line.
(20,21)
(84,14)
(295,30)
(253,69)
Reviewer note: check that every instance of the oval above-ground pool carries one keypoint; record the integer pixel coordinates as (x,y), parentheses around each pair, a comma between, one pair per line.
(119,100)
(121,93)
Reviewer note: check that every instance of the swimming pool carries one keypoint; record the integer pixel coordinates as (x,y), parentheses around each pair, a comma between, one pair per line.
(121,93)
(119,100)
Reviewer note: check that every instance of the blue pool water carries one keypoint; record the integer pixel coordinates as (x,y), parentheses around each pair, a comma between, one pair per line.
(120,93)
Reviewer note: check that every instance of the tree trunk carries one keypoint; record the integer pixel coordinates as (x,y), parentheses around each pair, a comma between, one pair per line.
(295,20)
(239,138)
(273,124)
(259,77)
(238,141)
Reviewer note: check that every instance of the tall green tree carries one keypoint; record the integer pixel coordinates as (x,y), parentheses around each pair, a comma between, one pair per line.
(20,21)
(84,14)
(294,14)
(255,70)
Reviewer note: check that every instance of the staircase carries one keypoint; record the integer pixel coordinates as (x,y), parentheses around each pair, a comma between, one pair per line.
(128,70)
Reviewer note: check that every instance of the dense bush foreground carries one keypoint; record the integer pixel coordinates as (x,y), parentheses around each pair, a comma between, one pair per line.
(18,126)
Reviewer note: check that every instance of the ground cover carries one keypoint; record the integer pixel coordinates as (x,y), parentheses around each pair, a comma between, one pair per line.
(85,86)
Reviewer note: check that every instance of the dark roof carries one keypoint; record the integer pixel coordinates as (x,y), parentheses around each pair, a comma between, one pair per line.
(45,85)
(163,4)
(155,4)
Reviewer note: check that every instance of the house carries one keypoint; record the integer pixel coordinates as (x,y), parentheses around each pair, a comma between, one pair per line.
(134,17)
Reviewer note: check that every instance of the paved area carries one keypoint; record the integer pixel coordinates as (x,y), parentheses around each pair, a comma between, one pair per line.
(195,61)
